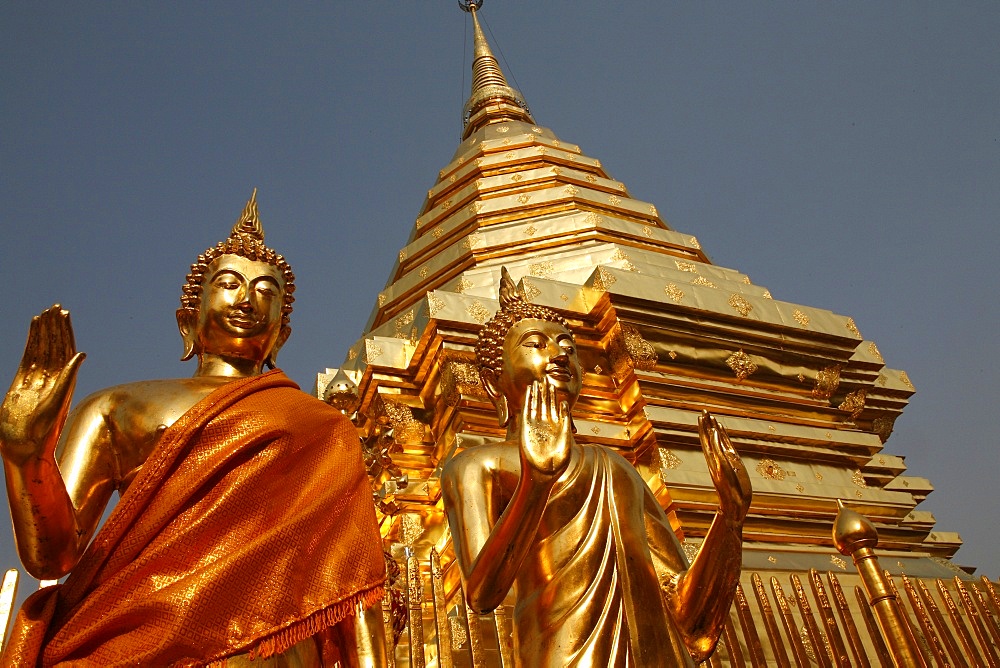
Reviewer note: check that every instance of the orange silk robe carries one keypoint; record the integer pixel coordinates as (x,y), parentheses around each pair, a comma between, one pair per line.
(249,528)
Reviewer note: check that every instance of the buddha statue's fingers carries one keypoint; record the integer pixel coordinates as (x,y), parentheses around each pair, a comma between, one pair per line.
(729,475)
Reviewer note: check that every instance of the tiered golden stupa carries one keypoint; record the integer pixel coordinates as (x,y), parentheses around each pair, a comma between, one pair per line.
(662,333)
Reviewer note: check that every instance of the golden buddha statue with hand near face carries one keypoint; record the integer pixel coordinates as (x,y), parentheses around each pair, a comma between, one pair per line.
(245,527)
(599,576)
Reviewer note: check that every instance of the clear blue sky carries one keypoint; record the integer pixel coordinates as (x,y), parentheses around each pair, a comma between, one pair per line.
(844,155)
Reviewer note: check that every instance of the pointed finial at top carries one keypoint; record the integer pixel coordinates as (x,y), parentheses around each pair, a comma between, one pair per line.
(249,222)
(492,100)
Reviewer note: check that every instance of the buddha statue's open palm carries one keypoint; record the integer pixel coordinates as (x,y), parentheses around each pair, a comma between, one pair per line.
(546,431)
(35,408)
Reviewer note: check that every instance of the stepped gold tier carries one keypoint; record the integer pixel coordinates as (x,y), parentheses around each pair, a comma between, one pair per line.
(662,333)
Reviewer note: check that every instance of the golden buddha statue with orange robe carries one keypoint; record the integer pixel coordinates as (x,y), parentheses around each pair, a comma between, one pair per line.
(245,533)
(599,576)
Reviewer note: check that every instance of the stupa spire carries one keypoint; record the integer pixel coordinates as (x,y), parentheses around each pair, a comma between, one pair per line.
(492,99)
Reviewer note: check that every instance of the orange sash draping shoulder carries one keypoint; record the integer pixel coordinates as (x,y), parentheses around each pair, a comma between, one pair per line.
(248,529)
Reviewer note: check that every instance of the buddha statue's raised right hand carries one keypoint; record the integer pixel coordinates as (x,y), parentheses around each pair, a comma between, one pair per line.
(546,431)
(35,408)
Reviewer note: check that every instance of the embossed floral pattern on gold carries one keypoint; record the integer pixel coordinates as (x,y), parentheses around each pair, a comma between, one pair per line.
(604,279)
(767,294)
(614,200)
(858,479)
(434,305)
(410,529)
(541,269)
(531,290)
(903,376)
(666,461)
(459,636)
(741,364)
(686,266)
(471,241)
(742,306)
(701,280)
(800,318)
(693,242)
(854,403)
(882,427)
(478,311)
(827,381)
(768,468)
(674,292)
(639,349)
(372,351)
(458,378)
(530,230)
(873,349)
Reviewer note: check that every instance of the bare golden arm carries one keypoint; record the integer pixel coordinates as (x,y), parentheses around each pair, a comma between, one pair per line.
(46,528)
(489,554)
(704,593)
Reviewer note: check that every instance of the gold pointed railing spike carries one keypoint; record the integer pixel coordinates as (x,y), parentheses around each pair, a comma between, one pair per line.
(415,610)
(733,644)
(838,649)
(982,635)
(504,636)
(749,627)
(791,628)
(770,623)
(441,623)
(858,652)
(475,634)
(940,648)
(988,616)
(821,646)
(947,636)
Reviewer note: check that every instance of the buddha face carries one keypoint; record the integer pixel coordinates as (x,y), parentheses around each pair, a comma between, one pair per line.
(543,351)
(240,311)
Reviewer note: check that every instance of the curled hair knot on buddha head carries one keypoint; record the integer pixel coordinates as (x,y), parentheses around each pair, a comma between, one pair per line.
(513,308)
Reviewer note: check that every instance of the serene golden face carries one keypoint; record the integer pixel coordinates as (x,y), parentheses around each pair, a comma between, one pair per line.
(240,310)
(543,351)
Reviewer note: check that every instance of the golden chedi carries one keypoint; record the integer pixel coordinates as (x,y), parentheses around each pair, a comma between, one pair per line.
(599,575)
(245,527)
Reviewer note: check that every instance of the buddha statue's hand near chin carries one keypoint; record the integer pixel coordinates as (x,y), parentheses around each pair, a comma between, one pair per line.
(546,433)
(728,472)
(35,408)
